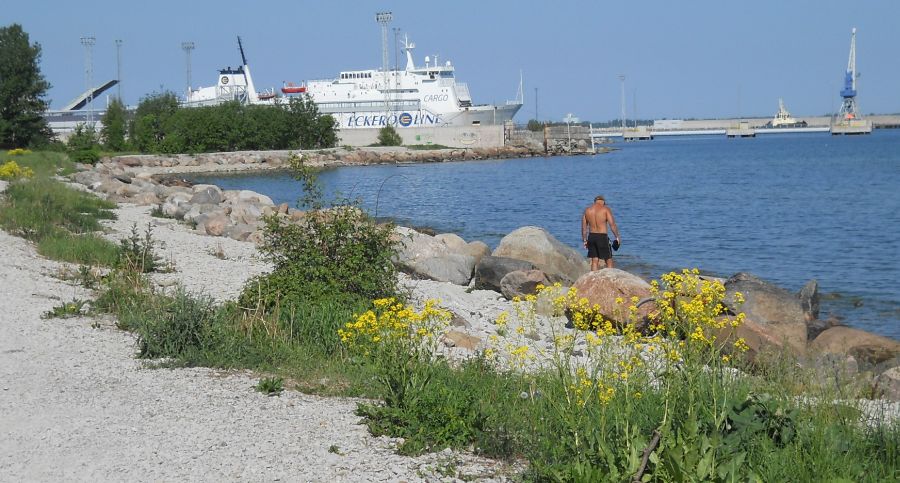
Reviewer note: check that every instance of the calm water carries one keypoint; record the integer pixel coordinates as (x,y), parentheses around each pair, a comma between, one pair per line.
(787,208)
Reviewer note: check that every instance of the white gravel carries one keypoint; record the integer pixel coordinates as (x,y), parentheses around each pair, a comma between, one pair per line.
(75,405)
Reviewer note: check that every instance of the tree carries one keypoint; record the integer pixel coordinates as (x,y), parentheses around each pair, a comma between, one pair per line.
(114,122)
(151,122)
(534,125)
(388,136)
(22,90)
(83,145)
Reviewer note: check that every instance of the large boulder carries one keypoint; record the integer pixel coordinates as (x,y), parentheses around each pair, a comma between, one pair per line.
(602,287)
(477,249)
(769,305)
(426,257)
(521,283)
(887,384)
(759,338)
(869,349)
(207,194)
(536,245)
(454,242)
(490,271)
(214,223)
(245,212)
(254,197)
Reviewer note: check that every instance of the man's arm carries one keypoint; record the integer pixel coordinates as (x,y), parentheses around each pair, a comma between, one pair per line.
(612,224)
(584,228)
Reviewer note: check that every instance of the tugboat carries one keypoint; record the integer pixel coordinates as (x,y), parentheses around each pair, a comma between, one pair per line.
(783,119)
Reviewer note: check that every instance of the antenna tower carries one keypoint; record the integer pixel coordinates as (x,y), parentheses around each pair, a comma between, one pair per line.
(119,67)
(88,43)
(384,19)
(187,47)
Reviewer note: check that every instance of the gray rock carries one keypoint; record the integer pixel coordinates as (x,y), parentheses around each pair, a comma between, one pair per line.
(534,244)
(887,384)
(520,283)
(453,241)
(490,271)
(809,300)
(206,194)
(240,231)
(451,267)
(196,210)
(245,212)
(213,224)
(145,199)
(254,197)
(477,249)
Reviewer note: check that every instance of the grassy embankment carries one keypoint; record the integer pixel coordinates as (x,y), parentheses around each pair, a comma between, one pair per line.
(696,418)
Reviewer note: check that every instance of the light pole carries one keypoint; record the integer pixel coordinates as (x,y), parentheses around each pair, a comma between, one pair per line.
(88,43)
(569,119)
(622,80)
(383,19)
(119,67)
(187,47)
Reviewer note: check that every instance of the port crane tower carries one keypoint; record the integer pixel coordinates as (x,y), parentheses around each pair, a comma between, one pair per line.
(849,121)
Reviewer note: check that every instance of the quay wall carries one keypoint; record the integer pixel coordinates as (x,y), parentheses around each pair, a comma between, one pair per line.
(450,136)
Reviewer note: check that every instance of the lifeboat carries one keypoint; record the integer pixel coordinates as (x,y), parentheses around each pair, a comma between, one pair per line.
(290,88)
(265,96)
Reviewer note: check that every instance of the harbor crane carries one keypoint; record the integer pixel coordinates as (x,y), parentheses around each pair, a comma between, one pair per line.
(849,108)
(849,121)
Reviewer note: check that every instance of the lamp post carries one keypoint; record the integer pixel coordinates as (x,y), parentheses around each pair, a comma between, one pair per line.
(88,43)
(569,119)
(119,67)
(187,47)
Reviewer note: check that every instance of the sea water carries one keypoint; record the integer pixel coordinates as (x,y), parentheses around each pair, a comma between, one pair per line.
(785,207)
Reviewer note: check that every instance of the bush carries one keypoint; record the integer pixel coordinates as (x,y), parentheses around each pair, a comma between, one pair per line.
(337,252)
(161,125)
(84,145)
(388,136)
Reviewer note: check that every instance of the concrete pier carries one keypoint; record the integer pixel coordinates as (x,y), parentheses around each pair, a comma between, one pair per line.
(852,127)
(741,130)
(639,133)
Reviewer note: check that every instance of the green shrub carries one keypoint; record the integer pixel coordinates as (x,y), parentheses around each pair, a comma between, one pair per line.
(136,253)
(84,145)
(388,136)
(337,252)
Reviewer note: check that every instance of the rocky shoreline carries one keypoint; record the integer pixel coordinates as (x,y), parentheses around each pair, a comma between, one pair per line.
(777,320)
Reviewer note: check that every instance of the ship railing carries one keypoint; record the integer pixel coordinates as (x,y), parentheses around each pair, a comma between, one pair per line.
(370,106)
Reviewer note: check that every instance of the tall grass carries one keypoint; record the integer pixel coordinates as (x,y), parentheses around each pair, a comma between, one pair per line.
(60,220)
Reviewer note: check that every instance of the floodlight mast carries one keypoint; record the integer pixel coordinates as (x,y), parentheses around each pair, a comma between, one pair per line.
(119,67)
(88,43)
(384,19)
(187,47)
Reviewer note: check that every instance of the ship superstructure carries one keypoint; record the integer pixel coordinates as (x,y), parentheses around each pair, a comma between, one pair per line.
(783,118)
(427,95)
(419,96)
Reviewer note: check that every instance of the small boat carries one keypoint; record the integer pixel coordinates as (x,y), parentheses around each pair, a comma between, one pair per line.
(783,118)
(265,95)
(290,88)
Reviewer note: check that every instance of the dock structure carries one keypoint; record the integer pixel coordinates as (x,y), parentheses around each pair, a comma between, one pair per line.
(852,127)
(742,130)
(639,133)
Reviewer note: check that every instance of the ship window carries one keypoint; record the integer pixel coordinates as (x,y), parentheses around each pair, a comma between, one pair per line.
(476,123)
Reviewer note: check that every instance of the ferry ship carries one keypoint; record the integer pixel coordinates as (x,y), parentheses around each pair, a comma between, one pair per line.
(415,96)
(783,118)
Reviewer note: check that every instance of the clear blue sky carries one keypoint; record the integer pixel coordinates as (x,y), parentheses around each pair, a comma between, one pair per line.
(692,58)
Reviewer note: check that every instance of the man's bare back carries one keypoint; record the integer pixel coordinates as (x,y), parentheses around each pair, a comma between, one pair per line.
(594,221)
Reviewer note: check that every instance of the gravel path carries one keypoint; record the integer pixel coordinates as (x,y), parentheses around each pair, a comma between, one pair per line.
(75,404)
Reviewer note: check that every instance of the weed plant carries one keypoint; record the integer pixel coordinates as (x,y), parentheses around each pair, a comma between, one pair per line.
(270,386)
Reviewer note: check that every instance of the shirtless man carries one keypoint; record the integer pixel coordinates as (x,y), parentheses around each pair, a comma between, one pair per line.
(593,232)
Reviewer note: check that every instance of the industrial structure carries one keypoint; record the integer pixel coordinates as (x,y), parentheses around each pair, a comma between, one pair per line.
(849,121)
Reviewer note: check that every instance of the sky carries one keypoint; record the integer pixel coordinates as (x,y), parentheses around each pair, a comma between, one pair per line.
(681,59)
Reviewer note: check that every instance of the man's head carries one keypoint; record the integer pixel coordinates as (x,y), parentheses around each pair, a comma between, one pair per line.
(599,199)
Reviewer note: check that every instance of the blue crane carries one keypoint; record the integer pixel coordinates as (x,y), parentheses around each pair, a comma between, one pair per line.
(848,93)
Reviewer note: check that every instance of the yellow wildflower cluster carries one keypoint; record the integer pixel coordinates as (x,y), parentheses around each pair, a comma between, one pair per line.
(18,152)
(11,170)
(585,387)
(693,309)
(391,321)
